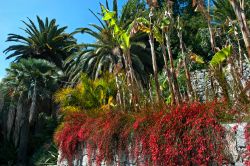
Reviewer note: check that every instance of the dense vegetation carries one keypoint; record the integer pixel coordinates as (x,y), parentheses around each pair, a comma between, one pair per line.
(131,88)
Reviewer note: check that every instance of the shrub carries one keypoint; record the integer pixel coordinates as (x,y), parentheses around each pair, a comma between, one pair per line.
(88,94)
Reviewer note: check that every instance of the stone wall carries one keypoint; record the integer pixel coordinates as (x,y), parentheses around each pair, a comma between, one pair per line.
(201,81)
(235,150)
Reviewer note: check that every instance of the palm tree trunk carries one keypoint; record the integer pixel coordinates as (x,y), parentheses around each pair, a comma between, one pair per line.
(11,119)
(172,70)
(150,91)
(21,133)
(1,102)
(239,12)
(33,110)
(3,116)
(190,91)
(18,116)
(151,42)
(170,83)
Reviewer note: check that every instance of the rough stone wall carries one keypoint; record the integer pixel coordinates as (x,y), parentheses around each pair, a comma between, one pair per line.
(235,151)
(202,84)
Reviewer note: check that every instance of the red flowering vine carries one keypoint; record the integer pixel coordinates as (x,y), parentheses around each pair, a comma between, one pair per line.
(189,134)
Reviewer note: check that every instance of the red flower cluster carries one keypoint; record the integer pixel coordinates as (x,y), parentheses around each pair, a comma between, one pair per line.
(189,134)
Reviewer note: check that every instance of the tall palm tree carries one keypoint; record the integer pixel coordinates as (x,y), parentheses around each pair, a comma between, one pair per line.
(46,40)
(29,82)
(37,79)
(105,54)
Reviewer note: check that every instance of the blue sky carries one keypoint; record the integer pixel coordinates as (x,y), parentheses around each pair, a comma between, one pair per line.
(71,13)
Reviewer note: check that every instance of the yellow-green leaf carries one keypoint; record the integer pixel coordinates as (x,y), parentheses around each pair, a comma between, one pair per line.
(108,15)
(157,35)
(197,58)
(125,40)
(221,56)
(116,30)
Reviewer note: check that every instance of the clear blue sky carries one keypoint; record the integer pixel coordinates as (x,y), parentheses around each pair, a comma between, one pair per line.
(71,13)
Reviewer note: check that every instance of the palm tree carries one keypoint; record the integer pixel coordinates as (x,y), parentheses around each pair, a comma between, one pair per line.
(29,82)
(45,41)
(37,79)
(106,54)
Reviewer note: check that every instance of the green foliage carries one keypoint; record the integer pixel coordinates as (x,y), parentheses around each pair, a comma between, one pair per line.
(223,11)
(109,15)
(217,59)
(143,24)
(22,77)
(165,87)
(221,56)
(44,151)
(88,94)
(46,41)
(122,35)
(45,155)
(105,53)
(197,58)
